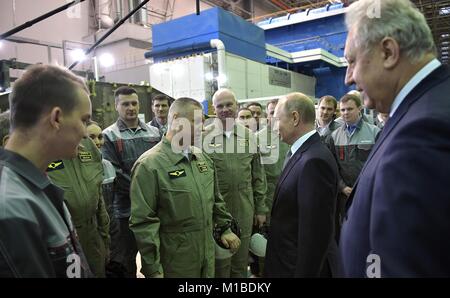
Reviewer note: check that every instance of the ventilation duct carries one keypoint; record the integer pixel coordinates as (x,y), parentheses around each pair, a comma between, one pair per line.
(104,14)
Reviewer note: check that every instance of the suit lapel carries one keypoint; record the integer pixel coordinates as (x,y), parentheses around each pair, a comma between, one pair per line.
(293,160)
(429,82)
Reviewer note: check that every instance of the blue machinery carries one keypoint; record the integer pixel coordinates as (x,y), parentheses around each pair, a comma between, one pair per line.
(310,42)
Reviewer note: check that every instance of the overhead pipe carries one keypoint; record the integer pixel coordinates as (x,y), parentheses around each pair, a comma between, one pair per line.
(221,62)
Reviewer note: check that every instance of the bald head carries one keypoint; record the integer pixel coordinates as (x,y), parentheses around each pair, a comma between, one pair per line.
(223,93)
(225,104)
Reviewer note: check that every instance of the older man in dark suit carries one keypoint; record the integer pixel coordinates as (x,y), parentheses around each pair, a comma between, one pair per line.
(398,219)
(301,236)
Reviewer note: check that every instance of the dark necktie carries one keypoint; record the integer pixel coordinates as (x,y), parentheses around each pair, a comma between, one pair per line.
(288,156)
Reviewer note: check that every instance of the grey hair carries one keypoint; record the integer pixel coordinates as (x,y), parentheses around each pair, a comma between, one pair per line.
(398,19)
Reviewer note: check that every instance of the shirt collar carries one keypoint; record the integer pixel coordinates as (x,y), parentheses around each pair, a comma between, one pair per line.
(413,82)
(160,123)
(24,168)
(176,158)
(297,144)
(323,127)
(351,128)
(237,130)
(122,126)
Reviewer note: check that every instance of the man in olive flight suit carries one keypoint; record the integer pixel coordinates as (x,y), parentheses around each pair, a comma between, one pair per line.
(175,201)
(242,180)
(273,153)
(81,179)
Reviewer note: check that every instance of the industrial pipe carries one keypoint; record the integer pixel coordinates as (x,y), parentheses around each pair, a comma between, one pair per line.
(104,14)
(119,9)
(221,62)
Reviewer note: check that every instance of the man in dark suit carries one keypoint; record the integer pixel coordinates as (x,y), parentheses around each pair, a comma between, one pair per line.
(301,235)
(398,218)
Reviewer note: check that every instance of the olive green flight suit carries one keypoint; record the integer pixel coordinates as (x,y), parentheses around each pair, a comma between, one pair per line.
(81,179)
(242,183)
(273,153)
(174,205)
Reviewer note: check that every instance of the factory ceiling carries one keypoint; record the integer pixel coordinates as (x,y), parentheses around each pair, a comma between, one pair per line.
(437,13)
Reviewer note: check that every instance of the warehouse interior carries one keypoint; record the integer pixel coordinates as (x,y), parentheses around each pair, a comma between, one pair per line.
(290,45)
(255,54)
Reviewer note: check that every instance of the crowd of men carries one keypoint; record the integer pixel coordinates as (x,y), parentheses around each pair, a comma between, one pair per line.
(334,192)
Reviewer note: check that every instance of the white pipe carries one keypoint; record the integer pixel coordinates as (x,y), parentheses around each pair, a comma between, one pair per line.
(130,8)
(119,9)
(221,62)
(95,68)
(143,13)
(104,14)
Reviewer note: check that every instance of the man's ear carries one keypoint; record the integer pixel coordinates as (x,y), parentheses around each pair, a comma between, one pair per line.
(56,117)
(174,120)
(5,140)
(390,51)
(296,118)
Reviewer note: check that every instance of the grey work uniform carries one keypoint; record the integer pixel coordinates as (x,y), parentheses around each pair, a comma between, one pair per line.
(122,148)
(37,238)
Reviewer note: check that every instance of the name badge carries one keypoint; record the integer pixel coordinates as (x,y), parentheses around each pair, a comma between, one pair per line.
(85,156)
(202,167)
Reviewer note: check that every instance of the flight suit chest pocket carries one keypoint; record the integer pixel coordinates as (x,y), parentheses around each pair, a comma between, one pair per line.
(220,162)
(176,205)
(92,171)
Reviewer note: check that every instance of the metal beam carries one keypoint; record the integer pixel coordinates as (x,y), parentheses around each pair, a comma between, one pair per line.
(280,4)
